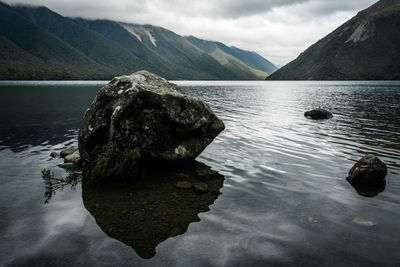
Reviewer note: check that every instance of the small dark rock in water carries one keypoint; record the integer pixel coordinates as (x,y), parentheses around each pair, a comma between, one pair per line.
(53,154)
(318,114)
(184,184)
(200,187)
(67,151)
(369,169)
(142,119)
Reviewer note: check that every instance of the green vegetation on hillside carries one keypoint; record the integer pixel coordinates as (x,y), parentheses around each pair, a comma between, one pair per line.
(28,52)
(239,61)
(37,43)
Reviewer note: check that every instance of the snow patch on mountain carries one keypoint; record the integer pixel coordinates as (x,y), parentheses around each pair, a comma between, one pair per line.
(365,30)
(139,31)
(151,37)
(132,30)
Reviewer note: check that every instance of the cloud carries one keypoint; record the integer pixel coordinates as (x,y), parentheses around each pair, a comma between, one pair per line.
(277,29)
(238,8)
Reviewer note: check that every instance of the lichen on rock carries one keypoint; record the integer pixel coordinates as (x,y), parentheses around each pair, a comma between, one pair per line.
(142,119)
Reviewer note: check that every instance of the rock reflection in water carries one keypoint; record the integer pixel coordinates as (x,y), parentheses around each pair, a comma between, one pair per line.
(145,213)
(368,189)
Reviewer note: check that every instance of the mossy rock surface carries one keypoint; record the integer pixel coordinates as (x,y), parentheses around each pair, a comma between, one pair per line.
(143,120)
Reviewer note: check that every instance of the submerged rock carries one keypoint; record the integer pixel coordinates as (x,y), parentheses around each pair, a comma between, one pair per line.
(205,172)
(142,119)
(183,184)
(318,114)
(200,187)
(369,170)
(363,222)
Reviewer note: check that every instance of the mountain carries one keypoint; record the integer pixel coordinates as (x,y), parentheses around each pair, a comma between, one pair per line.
(170,54)
(29,52)
(367,47)
(237,60)
(92,44)
(37,43)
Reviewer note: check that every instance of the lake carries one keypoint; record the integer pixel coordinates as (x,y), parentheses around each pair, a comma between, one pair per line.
(284,201)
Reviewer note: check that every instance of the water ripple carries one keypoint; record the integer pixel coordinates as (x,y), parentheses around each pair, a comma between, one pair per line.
(285,198)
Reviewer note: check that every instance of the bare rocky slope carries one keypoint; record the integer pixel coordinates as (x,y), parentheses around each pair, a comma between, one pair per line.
(367,47)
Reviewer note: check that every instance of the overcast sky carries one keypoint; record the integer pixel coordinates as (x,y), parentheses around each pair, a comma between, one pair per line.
(276,29)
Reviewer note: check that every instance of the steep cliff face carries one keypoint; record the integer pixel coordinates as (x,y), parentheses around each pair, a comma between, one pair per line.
(367,47)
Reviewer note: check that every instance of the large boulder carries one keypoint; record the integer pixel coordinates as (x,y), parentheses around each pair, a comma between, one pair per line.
(368,170)
(142,119)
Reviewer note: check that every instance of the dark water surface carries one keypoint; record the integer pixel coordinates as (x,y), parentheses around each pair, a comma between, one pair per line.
(284,202)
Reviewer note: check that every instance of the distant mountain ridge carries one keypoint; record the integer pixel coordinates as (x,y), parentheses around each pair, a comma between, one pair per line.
(37,43)
(234,57)
(367,47)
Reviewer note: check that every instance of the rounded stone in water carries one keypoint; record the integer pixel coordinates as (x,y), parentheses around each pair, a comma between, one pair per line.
(67,151)
(369,169)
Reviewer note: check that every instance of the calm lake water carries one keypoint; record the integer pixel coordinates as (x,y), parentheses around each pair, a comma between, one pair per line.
(285,200)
